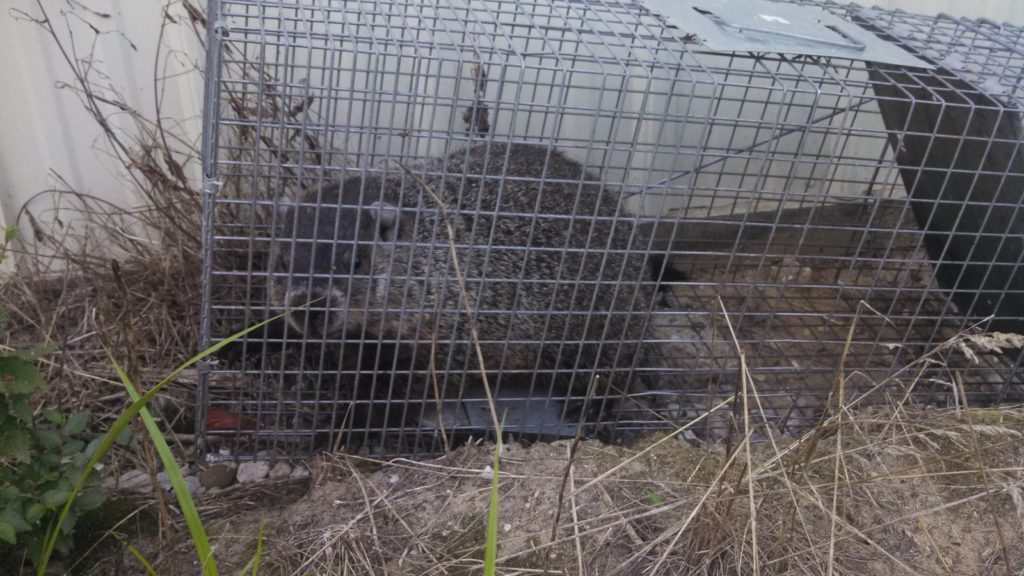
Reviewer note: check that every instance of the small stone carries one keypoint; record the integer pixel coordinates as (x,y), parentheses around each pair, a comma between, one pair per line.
(393,479)
(507,527)
(300,472)
(487,472)
(253,471)
(192,483)
(133,481)
(164,481)
(218,476)
(280,471)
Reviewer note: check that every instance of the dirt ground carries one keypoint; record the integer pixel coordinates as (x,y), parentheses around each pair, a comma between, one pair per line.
(911,492)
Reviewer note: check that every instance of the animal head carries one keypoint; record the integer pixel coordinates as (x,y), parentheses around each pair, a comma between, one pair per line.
(324,254)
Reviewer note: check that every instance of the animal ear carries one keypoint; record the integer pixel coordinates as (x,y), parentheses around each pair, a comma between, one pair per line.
(385,215)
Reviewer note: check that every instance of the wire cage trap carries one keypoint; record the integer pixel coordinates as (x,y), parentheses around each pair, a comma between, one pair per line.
(599,202)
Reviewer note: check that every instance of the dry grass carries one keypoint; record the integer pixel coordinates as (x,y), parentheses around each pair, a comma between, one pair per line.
(93,274)
(900,491)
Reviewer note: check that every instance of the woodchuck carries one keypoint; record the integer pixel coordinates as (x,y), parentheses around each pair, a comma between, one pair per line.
(554,272)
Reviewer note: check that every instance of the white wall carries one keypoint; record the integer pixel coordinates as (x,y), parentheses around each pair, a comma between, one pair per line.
(46,130)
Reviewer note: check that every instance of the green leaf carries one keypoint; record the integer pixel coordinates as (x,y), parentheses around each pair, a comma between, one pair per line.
(8,493)
(79,460)
(21,409)
(653,497)
(10,233)
(69,522)
(19,376)
(11,515)
(73,448)
(35,550)
(124,437)
(93,446)
(77,422)
(35,512)
(56,497)
(50,439)
(50,461)
(7,533)
(16,443)
(53,417)
(90,500)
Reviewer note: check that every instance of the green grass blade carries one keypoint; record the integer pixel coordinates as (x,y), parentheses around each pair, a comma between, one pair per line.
(142,560)
(108,439)
(175,477)
(491,543)
(253,564)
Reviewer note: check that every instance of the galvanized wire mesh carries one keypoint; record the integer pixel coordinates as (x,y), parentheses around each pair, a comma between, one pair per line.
(840,212)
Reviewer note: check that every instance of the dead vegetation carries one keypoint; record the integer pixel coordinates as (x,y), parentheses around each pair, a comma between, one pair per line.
(92,275)
(885,490)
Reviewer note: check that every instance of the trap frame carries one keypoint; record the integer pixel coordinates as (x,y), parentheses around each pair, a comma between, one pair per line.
(842,212)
